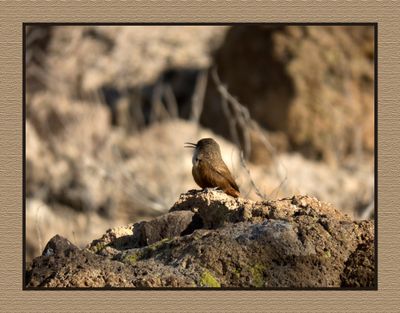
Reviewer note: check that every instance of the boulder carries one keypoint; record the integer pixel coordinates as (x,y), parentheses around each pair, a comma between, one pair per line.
(209,239)
(311,87)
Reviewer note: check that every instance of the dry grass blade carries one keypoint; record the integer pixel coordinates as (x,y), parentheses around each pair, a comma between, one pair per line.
(198,96)
(367,211)
(171,102)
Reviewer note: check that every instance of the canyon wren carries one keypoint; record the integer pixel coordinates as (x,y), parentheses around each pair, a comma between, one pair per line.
(209,170)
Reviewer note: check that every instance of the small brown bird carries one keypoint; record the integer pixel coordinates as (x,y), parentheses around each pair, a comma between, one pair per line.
(209,170)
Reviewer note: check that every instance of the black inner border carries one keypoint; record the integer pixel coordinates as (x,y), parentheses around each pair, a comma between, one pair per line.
(374,24)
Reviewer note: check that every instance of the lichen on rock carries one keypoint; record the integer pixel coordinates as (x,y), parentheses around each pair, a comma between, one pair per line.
(208,280)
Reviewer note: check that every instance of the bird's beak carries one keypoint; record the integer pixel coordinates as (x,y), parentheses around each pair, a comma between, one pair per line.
(190,145)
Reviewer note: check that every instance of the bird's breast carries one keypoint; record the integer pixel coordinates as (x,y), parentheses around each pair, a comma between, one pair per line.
(195,158)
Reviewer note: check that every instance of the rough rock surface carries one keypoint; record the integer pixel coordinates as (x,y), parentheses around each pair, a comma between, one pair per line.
(212,240)
(313,84)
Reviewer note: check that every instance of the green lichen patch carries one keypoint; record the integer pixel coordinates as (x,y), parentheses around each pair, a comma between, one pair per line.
(155,246)
(327,254)
(236,272)
(132,258)
(98,247)
(208,280)
(159,246)
(257,271)
(146,252)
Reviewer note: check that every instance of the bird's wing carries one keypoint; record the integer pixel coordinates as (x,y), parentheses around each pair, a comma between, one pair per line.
(219,174)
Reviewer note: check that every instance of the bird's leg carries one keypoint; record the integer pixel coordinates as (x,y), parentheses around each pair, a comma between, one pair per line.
(212,188)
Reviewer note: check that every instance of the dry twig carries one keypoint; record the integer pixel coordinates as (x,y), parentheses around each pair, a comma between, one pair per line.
(239,116)
(258,192)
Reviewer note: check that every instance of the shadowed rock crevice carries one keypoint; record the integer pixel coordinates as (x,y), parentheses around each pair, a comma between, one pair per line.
(212,240)
(306,85)
(256,75)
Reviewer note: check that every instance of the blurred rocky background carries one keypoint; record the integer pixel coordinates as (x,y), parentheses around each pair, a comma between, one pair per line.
(109,108)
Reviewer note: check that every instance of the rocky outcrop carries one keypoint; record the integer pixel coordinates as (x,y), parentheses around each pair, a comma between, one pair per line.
(311,87)
(209,239)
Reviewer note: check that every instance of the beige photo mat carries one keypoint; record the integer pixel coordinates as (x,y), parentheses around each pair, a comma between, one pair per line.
(12,16)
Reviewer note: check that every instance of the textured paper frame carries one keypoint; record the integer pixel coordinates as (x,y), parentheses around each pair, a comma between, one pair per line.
(14,13)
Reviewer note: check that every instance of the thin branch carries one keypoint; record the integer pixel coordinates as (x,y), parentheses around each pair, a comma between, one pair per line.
(242,117)
(258,192)
(231,121)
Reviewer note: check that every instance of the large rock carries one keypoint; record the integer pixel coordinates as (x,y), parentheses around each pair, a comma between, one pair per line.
(212,240)
(313,84)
